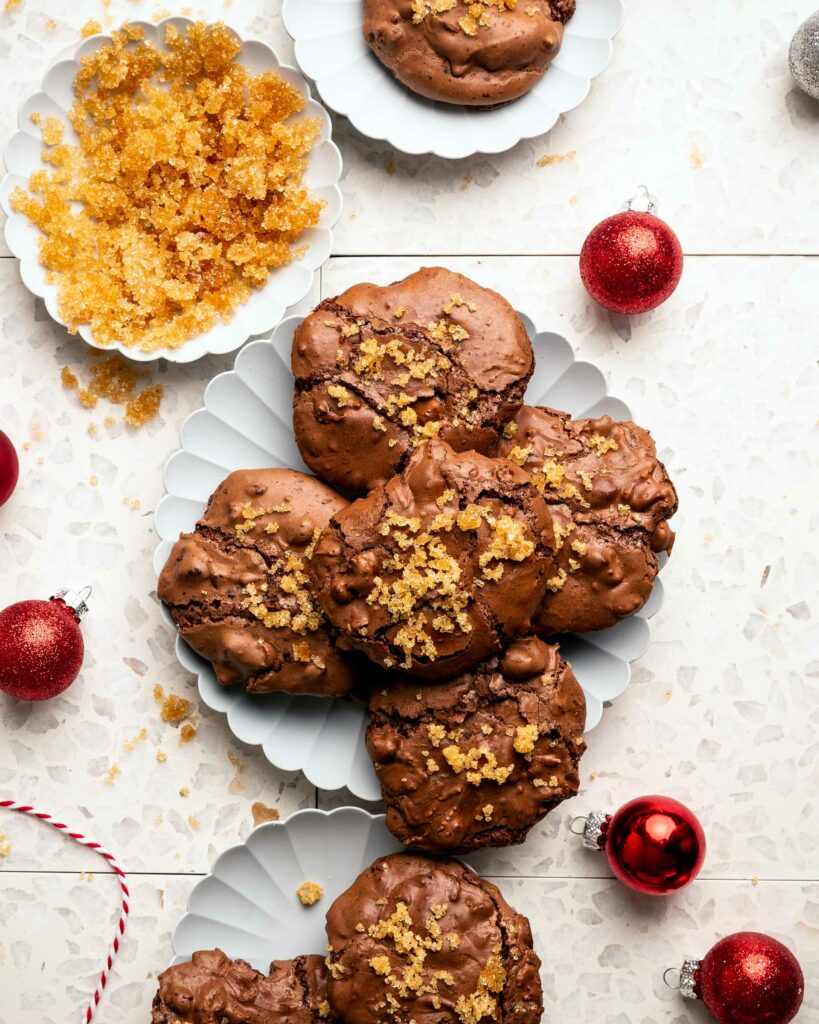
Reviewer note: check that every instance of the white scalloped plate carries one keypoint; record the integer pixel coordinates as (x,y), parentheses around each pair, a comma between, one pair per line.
(246,423)
(330,49)
(247,906)
(285,286)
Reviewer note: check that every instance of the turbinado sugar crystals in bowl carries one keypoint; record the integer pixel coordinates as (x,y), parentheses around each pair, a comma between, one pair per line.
(183,191)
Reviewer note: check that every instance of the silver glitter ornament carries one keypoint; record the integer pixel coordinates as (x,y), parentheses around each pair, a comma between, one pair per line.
(804,56)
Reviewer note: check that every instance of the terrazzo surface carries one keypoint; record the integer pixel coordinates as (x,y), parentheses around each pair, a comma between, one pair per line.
(721,711)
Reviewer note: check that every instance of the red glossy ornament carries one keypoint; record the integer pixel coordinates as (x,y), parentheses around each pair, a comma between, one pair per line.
(9,468)
(41,646)
(747,978)
(631,262)
(654,845)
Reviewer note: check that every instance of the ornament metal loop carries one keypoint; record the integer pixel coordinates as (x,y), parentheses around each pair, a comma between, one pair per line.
(675,971)
(581,821)
(77,601)
(642,201)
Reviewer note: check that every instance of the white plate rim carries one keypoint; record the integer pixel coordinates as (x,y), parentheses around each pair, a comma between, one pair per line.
(361,819)
(462,142)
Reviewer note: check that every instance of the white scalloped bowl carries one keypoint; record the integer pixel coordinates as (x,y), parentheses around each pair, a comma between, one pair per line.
(267,305)
(330,49)
(247,906)
(246,423)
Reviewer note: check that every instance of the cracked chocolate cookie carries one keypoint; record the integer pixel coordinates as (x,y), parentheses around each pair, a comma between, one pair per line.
(420,939)
(213,989)
(478,760)
(610,499)
(379,371)
(478,54)
(436,570)
(238,591)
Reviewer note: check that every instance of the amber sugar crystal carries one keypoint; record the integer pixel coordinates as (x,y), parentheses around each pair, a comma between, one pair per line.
(116,380)
(183,192)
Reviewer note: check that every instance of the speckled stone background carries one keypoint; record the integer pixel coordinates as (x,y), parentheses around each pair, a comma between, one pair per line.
(722,712)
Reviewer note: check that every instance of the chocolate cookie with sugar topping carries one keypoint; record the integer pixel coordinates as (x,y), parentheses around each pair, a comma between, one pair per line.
(213,989)
(238,591)
(478,54)
(478,760)
(427,940)
(381,370)
(439,568)
(610,498)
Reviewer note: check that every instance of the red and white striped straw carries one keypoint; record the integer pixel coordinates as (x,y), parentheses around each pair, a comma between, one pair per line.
(123,884)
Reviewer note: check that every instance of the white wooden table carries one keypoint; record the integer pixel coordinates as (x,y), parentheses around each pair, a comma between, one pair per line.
(722,712)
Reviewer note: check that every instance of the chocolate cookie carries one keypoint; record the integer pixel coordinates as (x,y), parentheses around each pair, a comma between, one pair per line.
(426,940)
(379,371)
(610,499)
(459,51)
(478,760)
(436,570)
(238,592)
(213,989)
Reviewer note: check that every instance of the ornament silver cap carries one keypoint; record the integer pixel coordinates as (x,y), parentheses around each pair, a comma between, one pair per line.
(77,600)
(688,978)
(593,830)
(642,201)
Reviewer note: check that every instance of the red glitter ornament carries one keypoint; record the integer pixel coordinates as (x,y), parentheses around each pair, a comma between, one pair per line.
(9,468)
(41,646)
(654,844)
(747,978)
(631,262)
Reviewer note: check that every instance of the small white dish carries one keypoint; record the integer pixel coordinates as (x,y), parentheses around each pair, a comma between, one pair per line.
(246,423)
(247,906)
(285,286)
(331,50)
